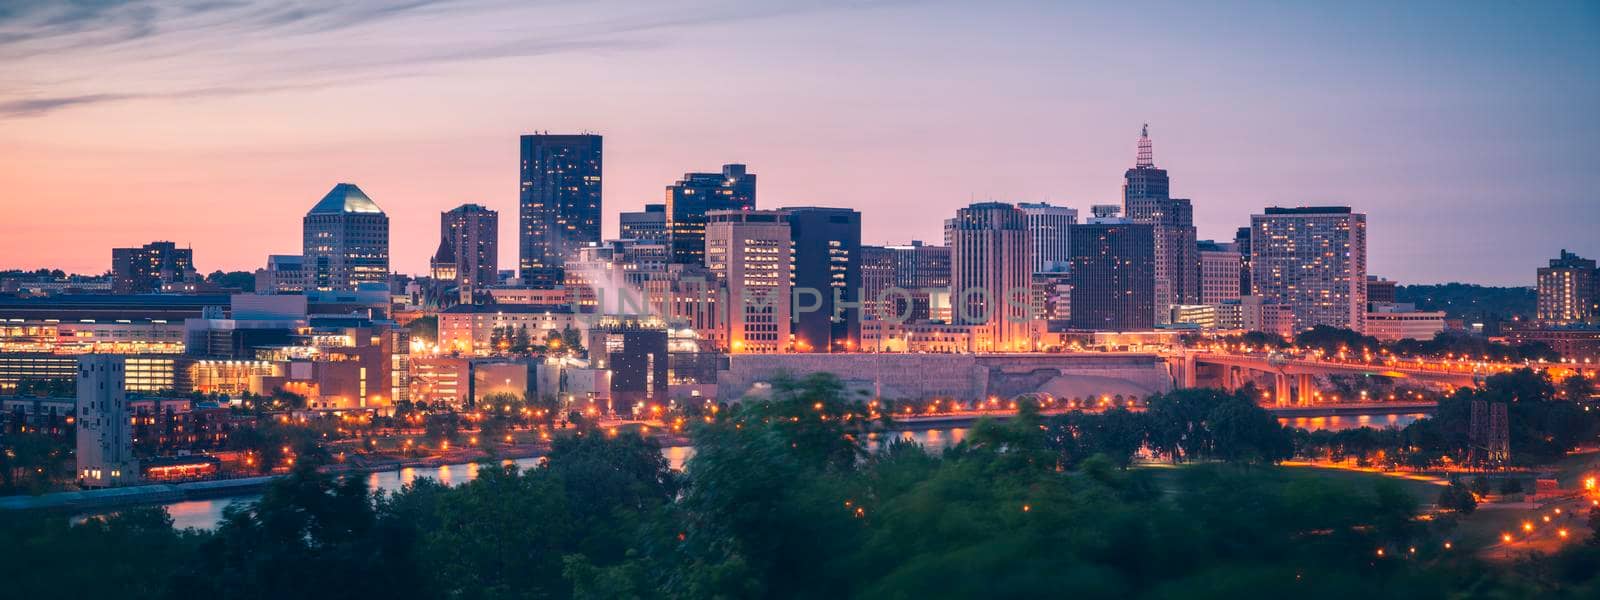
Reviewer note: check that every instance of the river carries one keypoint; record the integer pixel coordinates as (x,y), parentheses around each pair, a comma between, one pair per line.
(207,513)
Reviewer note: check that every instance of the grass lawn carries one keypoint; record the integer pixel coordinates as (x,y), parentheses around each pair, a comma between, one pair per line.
(1360,481)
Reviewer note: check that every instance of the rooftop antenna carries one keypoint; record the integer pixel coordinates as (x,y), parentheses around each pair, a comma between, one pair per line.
(1146,156)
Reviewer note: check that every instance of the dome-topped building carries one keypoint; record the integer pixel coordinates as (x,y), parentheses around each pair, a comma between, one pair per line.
(346,240)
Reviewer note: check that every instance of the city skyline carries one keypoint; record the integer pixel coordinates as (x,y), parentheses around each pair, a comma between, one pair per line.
(1458,148)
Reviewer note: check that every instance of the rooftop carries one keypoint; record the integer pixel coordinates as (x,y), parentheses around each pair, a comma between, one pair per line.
(345,198)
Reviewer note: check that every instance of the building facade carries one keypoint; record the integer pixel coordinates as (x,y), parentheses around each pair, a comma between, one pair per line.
(1569,291)
(1048,231)
(691,198)
(1313,259)
(472,235)
(145,269)
(991,275)
(752,253)
(559,203)
(345,241)
(648,224)
(104,428)
(1219,272)
(826,243)
(1113,275)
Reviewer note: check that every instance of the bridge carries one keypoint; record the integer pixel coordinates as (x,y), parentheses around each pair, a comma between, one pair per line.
(1294,378)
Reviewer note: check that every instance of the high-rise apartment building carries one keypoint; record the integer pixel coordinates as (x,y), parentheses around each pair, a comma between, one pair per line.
(346,241)
(1048,228)
(752,252)
(1113,275)
(648,224)
(827,271)
(559,203)
(471,235)
(689,199)
(990,275)
(144,269)
(1313,259)
(1569,290)
(1147,199)
(1219,272)
(105,434)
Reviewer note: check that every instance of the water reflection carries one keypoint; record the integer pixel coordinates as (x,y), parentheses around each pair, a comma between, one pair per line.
(1341,423)
(206,514)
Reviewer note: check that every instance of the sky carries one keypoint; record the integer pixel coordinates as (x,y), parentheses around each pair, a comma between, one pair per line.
(1466,131)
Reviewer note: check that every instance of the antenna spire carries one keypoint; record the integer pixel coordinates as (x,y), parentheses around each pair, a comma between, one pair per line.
(1146,156)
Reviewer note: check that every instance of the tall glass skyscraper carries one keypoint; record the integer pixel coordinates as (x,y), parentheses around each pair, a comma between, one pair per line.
(559,203)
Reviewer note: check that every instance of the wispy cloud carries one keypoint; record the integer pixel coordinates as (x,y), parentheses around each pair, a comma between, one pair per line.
(368,40)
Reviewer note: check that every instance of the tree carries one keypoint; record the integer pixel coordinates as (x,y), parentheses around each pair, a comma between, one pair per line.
(1577,388)
(424,328)
(243,281)
(1456,497)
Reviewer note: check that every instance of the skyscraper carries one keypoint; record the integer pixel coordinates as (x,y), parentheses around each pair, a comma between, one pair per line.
(696,194)
(1313,259)
(1113,275)
(827,260)
(752,252)
(990,275)
(346,240)
(1569,290)
(1147,199)
(472,235)
(649,224)
(1048,227)
(142,270)
(559,203)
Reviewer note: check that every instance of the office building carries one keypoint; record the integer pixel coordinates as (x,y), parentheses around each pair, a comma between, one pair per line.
(145,269)
(826,245)
(1241,243)
(1048,228)
(991,275)
(1112,275)
(1380,290)
(877,276)
(559,203)
(1313,259)
(469,247)
(284,273)
(1147,199)
(923,271)
(691,198)
(634,350)
(104,429)
(1389,322)
(752,252)
(649,224)
(1219,272)
(1569,291)
(346,241)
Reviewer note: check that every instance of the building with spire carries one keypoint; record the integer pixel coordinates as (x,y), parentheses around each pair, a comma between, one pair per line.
(1147,198)
(346,240)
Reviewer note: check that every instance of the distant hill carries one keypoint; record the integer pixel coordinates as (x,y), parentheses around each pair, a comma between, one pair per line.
(1471,302)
